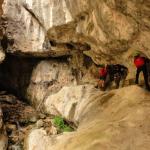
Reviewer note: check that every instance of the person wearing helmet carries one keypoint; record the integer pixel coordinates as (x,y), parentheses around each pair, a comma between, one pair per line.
(102,76)
(112,73)
(117,73)
(140,63)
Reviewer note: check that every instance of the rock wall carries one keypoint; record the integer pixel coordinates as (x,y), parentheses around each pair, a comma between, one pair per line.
(116,120)
(28,22)
(48,78)
(108,31)
(101,22)
(35,79)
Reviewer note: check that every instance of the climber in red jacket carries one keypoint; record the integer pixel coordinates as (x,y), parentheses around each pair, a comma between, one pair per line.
(102,75)
(141,65)
(112,73)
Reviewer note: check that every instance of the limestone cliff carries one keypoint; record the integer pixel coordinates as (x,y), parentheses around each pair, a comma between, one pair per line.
(106,30)
(49,54)
(98,23)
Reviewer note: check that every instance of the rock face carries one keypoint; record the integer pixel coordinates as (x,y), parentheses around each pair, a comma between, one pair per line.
(107,31)
(47,78)
(110,120)
(69,101)
(29,27)
(112,28)
(36,79)
(3,137)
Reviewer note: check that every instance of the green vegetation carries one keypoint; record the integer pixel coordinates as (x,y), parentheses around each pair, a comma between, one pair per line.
(61,124)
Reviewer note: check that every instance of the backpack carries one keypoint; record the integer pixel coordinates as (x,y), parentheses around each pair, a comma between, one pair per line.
(139,61)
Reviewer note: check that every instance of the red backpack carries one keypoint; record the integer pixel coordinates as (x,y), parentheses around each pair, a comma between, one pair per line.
(103,72)
(139,62)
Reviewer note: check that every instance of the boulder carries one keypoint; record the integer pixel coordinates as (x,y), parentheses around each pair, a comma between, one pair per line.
(37,139)
(48,77)
(68,102)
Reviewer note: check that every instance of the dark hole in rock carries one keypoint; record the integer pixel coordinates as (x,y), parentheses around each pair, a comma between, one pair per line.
(87,61)
(11,42)
(15,74)
(74,72)
(4,42)
(82,17)
(87,46)
(69,46)
(53,43)
(54,65)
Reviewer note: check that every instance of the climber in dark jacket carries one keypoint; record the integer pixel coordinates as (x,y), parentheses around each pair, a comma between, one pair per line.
(110,73)
(141,64)
(116,73)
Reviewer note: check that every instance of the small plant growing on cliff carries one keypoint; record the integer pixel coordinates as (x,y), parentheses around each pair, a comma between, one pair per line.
(61,125)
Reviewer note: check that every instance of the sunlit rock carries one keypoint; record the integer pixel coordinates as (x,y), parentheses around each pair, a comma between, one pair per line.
(68,101)
(48,77)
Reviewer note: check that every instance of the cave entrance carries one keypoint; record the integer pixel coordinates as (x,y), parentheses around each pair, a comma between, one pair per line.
(15,73)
